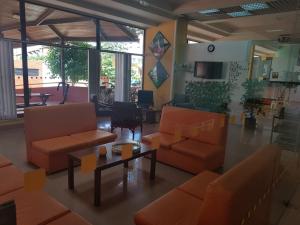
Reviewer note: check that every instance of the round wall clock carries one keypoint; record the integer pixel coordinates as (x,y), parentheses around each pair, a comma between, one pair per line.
(211,48)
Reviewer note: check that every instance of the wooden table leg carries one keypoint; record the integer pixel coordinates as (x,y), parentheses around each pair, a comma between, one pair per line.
(97,188)
(126,164)
(70,173)
(153,165)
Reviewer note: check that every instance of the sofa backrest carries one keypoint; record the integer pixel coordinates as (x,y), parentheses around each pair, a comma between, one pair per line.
(243,194)
(54,121)
(209,127)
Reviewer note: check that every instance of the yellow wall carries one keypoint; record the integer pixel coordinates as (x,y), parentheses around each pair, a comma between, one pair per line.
(164,93)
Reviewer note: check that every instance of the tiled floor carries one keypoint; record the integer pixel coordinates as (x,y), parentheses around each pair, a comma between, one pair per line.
(120,202)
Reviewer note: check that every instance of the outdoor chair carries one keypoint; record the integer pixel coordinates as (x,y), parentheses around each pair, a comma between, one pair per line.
(126,115)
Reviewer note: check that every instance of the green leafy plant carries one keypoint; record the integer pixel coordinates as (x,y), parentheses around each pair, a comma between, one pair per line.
(253,89)
(212,96)
(251,100)
(76,65)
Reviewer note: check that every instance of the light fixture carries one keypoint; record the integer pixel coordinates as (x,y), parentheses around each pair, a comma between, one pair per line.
(274,30)
(209,11)
(255,6)
(239,14)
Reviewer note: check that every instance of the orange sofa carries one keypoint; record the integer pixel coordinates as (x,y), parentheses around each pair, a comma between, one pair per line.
(52,132)
(242,196)
(34,208)
(202,141)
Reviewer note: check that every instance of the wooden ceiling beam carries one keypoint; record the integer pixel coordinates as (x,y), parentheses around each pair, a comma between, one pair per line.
(43,16)
(65,20)
(46,22)
(201,36)
(127,32)
(163,10)
(57,32)
(94,10)
(111,39)
(209,28)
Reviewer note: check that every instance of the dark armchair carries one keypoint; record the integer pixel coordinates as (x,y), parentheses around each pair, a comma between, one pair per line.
(126,115)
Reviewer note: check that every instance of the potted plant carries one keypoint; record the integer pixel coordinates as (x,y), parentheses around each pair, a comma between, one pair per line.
(252,101)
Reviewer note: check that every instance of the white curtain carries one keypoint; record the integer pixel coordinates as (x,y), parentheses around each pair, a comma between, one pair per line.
(7,81)
(123,77)
(120,73)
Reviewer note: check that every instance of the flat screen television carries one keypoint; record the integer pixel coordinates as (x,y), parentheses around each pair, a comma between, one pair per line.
(209,70)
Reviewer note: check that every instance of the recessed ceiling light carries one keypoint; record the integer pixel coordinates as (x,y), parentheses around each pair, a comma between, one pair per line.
(255,6)
(239,14)
(209,11)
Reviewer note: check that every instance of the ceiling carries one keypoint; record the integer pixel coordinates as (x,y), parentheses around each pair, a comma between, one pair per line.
(209,20)
(50,25)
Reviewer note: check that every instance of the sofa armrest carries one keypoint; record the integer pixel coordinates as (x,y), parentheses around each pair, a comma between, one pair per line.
(198,184)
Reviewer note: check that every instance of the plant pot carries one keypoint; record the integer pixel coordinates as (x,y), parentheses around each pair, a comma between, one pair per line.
(250,123)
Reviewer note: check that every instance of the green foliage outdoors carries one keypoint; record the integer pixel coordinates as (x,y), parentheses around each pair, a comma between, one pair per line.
(76,64)
(76,67)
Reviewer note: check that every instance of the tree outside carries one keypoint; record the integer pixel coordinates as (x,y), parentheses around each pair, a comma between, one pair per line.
(76,65)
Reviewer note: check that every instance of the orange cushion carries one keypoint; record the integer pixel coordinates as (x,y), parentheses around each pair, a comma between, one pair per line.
(34,207)
(4,161)
(176,207)
(186,120)
(69,219)
(59,144)
(11,179)
(197,149)
(45,122)
(198,184)
(166,140)
(95,137)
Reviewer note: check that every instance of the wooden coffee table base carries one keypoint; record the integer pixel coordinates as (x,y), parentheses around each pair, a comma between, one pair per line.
(97,173)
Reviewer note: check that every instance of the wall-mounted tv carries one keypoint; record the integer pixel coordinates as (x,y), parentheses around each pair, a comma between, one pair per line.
(209,70)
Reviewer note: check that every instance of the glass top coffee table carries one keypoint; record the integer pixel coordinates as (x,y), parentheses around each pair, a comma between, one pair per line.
(105,162)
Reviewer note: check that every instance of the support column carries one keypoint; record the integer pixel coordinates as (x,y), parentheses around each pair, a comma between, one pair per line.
(94,90)
(62,66)
(24,51)
(98,35)
(93,72)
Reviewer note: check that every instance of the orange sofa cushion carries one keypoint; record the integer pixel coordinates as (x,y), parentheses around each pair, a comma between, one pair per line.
(198,184)
(69,219)
(94,137)
(46,122)
(197,149)
(34,208)
(186,120)
(176,207)
(166,140)
(4,161)
(11,179)
(58,144)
